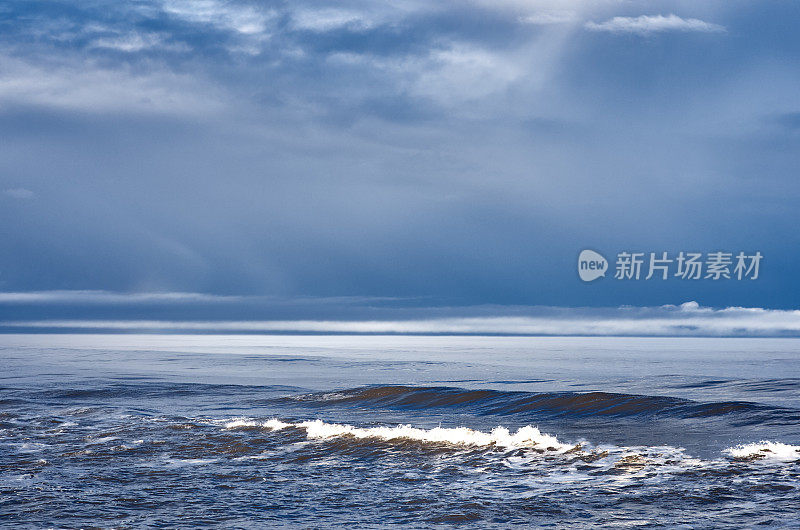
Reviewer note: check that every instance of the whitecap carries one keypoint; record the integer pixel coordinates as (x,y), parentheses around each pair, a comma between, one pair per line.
(766,450)
(241,423)
(527,436)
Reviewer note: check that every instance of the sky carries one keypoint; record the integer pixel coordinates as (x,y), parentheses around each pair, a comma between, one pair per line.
(400,161)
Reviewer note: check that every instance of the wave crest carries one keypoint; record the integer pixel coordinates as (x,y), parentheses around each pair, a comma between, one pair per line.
(525,437)
(765,449)
(545,404)
(528,437)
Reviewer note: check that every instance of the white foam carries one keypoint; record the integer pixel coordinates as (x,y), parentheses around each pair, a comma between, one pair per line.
(765,450)
(273,424)
(665,458)
(500,436)
(31,447)
(101,440)
(237,424)
(528,436)
(180,462)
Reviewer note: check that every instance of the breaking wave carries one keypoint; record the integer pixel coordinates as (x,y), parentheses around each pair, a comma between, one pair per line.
(767,450)
(501,437)
(528,437)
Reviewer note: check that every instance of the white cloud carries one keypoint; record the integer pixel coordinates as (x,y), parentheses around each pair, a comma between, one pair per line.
(465,72)
(240,18)
(551,17)
(108,297)
(329,19)
(82,85)
(646,24)
(19,193)
(686,320)
(135,42)
(360,17)
(91,297)
(451,75)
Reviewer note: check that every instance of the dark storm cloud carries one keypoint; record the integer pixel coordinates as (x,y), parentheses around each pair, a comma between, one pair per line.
(460,152)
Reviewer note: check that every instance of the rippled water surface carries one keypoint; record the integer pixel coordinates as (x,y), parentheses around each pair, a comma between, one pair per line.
(254,431)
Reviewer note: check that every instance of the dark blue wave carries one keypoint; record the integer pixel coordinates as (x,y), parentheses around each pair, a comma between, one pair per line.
(548,404)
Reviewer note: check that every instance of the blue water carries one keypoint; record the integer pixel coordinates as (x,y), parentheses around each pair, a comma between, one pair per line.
(324,431)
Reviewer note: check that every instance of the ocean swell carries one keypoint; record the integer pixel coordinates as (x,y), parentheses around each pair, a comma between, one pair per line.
(544,404)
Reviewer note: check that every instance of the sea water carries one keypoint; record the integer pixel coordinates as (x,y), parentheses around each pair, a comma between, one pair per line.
(324,431)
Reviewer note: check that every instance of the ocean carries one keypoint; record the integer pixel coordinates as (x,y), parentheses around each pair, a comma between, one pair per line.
(254,431)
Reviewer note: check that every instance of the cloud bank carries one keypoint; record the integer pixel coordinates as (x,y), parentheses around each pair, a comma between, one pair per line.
(689,319)
(107,297)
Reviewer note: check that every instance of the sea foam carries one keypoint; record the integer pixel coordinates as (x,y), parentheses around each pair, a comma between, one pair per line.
(525,437)
(528,437)
(765,450)
(499,436)
(273,424)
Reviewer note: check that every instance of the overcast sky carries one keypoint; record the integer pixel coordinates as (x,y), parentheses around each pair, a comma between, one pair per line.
(312,157)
